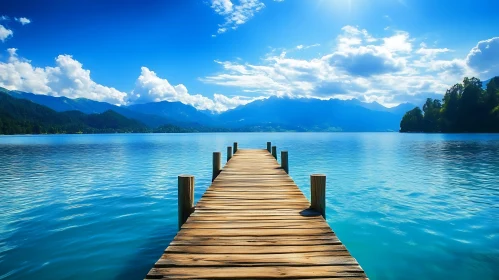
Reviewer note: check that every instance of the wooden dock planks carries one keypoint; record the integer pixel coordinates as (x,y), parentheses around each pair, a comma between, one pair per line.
(254,223)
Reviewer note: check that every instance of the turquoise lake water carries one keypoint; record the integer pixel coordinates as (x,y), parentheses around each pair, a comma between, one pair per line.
(407,206)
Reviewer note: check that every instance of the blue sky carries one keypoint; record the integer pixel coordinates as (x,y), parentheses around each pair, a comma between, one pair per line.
(218,54)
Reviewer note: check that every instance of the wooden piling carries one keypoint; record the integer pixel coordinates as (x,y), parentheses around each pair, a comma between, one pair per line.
(185,198)
(229,153)
(284,161)
(235,147)
(274,152)
(318,193)
(217,165)
(269,147)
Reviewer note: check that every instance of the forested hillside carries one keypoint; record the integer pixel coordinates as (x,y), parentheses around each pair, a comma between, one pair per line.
(466,107)
(20,116)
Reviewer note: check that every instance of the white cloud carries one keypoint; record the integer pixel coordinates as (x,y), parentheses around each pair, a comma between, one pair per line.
(367,61)
(19,74)
(5,33)
(221,6)
(430,53)
(484,57)
(223,103)
(67,78)
(302,47)
(399,42)
(23,20)
(151,88)
(387,69)
(236,14)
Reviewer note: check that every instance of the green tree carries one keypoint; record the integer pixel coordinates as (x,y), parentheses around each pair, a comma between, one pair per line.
(474,82)
(412,121)
(492,93)
(450,108)
(471,115)
(465,107)
(491,99)
(431,110)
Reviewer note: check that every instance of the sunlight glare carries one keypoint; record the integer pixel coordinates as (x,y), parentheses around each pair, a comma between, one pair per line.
(339,7)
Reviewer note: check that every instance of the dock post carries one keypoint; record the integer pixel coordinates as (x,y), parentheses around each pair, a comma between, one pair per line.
(235,147)
(185,198)
(274,152)
(284,161)
(318,193)
(229,153)
(217,163)
(269,147)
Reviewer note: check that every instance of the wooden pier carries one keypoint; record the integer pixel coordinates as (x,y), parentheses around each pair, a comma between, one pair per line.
(254,223)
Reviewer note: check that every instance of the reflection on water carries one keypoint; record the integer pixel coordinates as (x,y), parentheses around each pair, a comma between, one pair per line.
(407,206)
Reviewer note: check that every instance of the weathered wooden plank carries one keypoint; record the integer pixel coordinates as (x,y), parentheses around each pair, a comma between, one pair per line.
(254,249)
(255,200)
(253,205)
(268,200)
(291,259)
(237,218)
(251,195)
(269,272)
(255,225)
(259,232)
(251,241)
(253,189)
(325,237)
(285,212)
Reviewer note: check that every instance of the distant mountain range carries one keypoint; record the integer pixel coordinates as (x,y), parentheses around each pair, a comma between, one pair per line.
(316,115)
(21,116)
(87,106)
(272,114)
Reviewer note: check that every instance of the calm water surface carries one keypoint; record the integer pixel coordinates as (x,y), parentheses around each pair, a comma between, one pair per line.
(407,206)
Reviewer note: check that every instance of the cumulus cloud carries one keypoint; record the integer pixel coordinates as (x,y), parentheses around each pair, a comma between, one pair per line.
(19,74)
(67,78)
(360,54)
(5,33)
(484,57)
(23,20)
(236,14)
(388,69)
(367,61)
(151,88)
(400,42)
